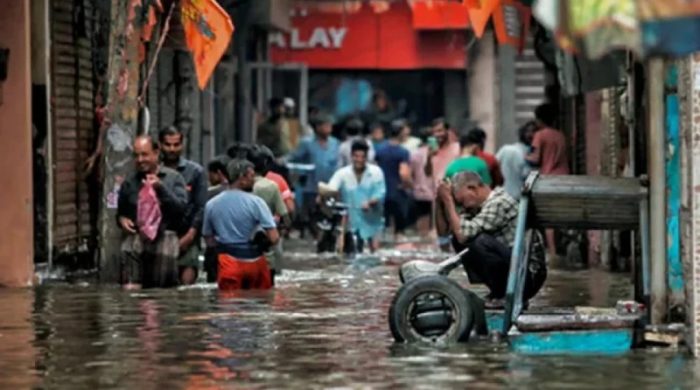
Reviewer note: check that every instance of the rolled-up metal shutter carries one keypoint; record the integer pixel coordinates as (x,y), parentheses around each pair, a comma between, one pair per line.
(72,119)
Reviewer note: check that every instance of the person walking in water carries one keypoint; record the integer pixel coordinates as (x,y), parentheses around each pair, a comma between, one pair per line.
(394,160)
(361,186)
(321,150)
(231,221)
(151,260)
(173,141)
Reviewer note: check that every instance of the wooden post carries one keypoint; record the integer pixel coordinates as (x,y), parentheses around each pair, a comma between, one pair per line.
(123,75)
(657,189)
(676,298)
(689,91)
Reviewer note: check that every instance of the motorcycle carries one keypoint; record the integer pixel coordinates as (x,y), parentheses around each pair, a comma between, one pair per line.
(333,228)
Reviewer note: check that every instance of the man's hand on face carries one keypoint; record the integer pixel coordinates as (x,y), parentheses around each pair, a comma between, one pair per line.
(445,191)
(127,224)
(152,179)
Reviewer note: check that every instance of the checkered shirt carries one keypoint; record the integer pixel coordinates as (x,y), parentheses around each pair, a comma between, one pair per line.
(498,217)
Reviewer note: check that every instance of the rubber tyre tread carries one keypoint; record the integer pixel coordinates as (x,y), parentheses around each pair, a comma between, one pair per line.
(398,319)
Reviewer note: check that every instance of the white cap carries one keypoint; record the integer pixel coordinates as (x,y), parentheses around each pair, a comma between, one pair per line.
(289,102)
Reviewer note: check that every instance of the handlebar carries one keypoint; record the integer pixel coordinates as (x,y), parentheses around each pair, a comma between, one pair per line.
(300,168)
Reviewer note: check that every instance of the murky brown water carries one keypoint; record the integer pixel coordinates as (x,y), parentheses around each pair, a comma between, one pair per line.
(324,326)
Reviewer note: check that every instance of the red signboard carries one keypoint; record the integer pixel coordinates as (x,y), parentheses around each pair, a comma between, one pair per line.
(365,39)
(440,15)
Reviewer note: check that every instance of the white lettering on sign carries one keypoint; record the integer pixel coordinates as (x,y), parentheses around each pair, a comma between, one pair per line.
(338,36)
(320,37)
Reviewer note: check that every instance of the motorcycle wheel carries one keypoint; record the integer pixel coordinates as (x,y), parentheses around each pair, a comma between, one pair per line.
(432,309)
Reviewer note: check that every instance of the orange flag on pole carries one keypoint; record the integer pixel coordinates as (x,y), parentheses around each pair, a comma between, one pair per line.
(208,29)
(479,17)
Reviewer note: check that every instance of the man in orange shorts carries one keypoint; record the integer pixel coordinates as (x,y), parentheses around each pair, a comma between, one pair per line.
(231,220)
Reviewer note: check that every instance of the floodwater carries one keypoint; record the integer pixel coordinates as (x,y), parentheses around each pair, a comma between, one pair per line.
(324,326)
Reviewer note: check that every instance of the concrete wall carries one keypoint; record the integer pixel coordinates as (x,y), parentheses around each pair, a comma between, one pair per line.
(16,246)
(506,125)
(483,90)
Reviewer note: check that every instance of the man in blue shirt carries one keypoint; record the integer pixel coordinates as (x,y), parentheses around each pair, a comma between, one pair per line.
(231,220)
(512,158)
(394,160)
(321,150)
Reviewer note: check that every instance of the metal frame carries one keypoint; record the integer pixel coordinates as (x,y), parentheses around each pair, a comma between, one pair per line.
(520,256)
(518,260)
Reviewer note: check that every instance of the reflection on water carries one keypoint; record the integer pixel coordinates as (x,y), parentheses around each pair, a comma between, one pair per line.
(323,326)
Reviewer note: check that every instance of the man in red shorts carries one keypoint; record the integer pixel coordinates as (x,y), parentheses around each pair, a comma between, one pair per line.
(231,220)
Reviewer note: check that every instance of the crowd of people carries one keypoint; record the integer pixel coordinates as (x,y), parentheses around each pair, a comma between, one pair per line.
(390,177)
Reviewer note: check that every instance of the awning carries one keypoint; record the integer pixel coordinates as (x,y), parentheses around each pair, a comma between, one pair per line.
(647,27)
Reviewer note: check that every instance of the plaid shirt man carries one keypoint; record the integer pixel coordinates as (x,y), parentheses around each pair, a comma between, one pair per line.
(498,217)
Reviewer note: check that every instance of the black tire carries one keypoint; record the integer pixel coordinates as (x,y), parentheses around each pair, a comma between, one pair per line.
(431,309)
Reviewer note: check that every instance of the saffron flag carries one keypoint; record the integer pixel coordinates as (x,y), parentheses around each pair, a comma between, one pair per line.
(208,29)
(479,17)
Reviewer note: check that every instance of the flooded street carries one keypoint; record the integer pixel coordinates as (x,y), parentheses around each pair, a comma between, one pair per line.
(324,326)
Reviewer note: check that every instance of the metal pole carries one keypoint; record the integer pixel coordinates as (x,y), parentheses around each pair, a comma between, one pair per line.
(50,218)
(304,96)
(657,189)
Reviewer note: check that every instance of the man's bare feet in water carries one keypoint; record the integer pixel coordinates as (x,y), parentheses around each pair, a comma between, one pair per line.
(131,286)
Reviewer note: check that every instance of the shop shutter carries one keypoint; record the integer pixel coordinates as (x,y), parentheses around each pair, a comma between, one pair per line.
(72,121)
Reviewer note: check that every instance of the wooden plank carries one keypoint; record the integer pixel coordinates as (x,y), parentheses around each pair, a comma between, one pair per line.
(542,323)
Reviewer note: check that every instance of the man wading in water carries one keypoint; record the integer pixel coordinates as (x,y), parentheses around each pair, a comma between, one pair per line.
(151,262)
(188,231)
(231,221)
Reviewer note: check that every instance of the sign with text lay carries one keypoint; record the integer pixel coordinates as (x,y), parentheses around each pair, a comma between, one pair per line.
(365,39)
